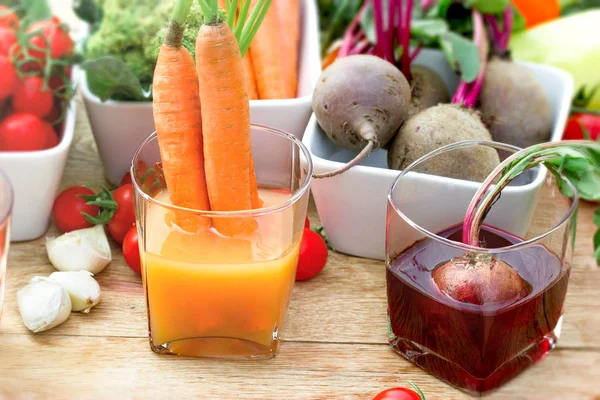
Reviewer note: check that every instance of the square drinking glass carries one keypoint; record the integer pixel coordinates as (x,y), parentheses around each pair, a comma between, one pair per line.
(215,295)
(470,326)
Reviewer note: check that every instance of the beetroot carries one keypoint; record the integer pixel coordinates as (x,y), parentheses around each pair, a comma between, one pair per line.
(360,102)
(361,99)
(514,105)
(480,279)
(427,88)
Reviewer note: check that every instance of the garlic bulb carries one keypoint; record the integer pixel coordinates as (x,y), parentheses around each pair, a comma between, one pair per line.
(43,304)
(83,290)
(83,249)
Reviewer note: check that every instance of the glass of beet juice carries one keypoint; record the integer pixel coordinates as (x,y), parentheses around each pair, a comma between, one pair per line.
(476,317)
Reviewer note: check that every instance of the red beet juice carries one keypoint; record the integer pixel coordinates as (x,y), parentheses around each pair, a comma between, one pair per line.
(475,347)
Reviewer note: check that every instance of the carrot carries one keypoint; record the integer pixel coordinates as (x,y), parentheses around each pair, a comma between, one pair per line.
(231,181)
(249,77)
(267,58)
(537,12)
(178,121)
(288,12)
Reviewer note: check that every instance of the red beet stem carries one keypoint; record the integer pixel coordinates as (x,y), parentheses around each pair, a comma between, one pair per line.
(500,38)
(353,33)
(467,94)
(484,197)
(405,60)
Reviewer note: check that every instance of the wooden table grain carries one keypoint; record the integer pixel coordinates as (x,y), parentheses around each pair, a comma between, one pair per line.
(334,340)
(335,337)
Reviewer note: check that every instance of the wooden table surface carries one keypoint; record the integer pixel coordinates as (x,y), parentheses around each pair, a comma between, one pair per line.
(334,341)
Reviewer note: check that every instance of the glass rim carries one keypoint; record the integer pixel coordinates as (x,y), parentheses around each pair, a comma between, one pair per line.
(462,246)
(5,211)
(297,195)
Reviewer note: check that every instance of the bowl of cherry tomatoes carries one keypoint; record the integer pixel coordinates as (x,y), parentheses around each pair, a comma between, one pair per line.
(37,114)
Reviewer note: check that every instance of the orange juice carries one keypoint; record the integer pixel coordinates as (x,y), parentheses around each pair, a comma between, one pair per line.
(211,294)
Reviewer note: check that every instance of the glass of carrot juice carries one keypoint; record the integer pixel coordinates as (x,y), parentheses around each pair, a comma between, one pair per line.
(6,203)
(212,295)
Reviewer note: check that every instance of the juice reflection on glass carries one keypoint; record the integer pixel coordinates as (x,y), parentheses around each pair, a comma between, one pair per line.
(6,202)
(213,295)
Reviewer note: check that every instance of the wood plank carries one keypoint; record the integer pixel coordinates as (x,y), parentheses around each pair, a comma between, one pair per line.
(78,367)
(345,304)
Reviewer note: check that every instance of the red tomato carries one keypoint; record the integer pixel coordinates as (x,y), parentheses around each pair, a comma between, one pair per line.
(131,250)
(55,112)
(24,132)
(51,138)
(68,208)
(313,255)
(30,97)
(57,82)
(8,78)
(397,394)
(126,179)
(307,223)
(124,217)
(61,43)
(589,122)
(7,39)
(8,18)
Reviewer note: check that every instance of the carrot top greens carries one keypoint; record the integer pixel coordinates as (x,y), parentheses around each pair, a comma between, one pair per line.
(245,25)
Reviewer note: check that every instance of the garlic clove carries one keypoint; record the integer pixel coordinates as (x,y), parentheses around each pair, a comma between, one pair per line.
(43,304)
(83,290)
(83,249)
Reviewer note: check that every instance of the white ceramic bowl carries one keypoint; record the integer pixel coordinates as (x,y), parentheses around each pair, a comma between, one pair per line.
(35,177)
(119,127)
(352,205)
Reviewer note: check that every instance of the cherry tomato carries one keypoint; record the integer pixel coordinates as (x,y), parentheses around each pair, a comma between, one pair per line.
(313,255)
(8,18)
(68,208)
(124,217)
(307,223)
(131,250)
(25,132)
(7,39)
(56,35)
(51,138)
(126,179)
(30,96)
(589,122)
(58,82)
(8,78)
(398,394)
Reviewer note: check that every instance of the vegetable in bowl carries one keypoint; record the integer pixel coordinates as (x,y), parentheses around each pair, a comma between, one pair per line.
(122,50)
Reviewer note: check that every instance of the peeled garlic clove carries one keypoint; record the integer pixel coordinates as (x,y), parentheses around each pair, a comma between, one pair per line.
(83,249)
(83,290)
(43,304)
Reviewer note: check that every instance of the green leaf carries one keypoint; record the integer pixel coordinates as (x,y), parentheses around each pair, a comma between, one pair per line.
(462,54)
(488,6)
(107,77)
(367,23)
(596,218)
(574,226)
(597,240)
(89,11)
(439,9)
(36,10)
(428,29)
(519,23)
(597,253)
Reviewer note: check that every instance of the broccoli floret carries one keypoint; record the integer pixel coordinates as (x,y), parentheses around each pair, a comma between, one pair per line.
(127,27)
(190,33)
